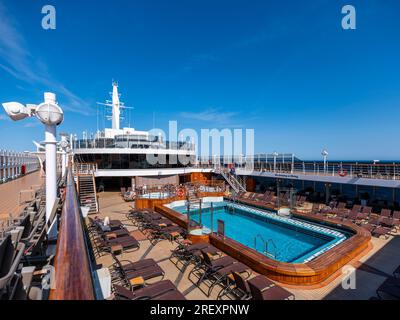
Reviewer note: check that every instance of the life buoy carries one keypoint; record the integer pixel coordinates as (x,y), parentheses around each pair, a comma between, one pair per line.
(180,192)
(342,172)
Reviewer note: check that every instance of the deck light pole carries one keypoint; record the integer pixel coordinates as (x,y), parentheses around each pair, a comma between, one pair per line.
(275,154)
(51,115)
(64,146)
(324,154)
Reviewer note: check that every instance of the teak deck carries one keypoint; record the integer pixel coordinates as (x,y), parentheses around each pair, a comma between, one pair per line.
(310,273)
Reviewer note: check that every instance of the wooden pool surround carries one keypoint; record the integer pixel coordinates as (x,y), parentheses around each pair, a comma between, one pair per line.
(309,273)
(145,203)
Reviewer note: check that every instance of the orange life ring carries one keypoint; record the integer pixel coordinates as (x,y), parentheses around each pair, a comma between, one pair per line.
(180,192)
(342,172)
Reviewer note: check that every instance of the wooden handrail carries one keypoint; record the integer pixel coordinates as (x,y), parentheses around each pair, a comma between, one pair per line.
(73,277)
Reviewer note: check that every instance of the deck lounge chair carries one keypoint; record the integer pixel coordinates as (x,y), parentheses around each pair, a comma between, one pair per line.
(145,269)
(133,266)
(223,275)
(192,253)
(340,209)
(352,216)
(376,228)
(126,243)
(209,266)
(170,295)
(385,218)
(364,214)
(395,220)
(381,231)
(261,289)
(9,261)
(240,288)
(150,272)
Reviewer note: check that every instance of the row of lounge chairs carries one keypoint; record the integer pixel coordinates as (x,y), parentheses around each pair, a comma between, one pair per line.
(210,268)
(135,280)
(382,224)
(379,224)
(111,237)
(270,198)
(156,226)
(25,251)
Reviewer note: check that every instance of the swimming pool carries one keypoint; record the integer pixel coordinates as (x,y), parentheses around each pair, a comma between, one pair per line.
(281,238)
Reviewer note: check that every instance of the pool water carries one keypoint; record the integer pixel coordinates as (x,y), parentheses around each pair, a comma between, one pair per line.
(281,238)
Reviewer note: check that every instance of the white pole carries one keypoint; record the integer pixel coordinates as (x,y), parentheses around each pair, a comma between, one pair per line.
(51,168)
(64,156)
(51,160)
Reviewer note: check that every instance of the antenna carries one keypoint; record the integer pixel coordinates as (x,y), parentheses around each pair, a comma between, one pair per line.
(116,105)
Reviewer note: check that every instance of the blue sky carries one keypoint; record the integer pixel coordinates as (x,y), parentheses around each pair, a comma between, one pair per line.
(284,68)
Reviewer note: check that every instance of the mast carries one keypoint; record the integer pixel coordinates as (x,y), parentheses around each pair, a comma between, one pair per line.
(115,106)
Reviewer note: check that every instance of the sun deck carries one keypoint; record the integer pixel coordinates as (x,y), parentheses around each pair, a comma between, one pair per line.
(372,268)
(13,198)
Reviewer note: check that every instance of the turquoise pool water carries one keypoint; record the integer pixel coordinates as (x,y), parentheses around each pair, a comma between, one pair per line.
(281,238)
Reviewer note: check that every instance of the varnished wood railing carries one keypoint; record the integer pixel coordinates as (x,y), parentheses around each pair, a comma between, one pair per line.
(73,277)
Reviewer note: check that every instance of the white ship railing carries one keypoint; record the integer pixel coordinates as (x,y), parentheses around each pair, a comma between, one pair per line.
(14,164)
(386,171)
(84,168)
(129,143)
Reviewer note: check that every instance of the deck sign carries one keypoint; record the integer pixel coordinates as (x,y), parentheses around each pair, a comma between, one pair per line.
(221,228)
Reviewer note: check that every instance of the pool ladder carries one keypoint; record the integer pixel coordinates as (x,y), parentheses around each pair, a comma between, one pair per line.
(266,245)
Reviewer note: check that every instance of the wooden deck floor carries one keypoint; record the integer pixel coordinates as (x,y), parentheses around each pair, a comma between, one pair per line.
(371,270)
(10,194)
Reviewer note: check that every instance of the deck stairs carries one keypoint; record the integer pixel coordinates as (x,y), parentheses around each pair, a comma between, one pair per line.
(234,180)
(87,192)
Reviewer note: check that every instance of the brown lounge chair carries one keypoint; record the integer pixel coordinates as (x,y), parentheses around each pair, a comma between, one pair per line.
(261,289)
(211,266)
(364,214)
(160,290)
(240,289)
(224,275)
(385,218)
(145,269)
(381,231)
(344,213)
(126,243)
(376,228)
(146,273)
(340,207)
(393,221)
(133,266)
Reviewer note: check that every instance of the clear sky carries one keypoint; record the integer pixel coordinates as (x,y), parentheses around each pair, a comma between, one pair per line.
(285,68)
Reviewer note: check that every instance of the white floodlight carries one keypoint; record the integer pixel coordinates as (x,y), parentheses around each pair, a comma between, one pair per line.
(16,111)
(64,144)
(49,113)
(324,154)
